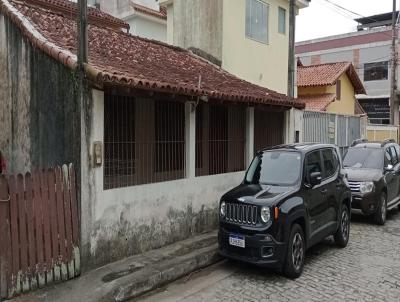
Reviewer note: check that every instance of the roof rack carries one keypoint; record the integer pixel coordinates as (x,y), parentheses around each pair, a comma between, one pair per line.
(359,141)
(387,141)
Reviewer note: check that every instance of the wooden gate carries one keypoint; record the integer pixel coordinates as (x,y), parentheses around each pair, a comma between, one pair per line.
(38,230)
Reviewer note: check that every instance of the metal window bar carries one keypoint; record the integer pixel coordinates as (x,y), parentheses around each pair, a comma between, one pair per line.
(144,141)
(268,129)
(220,139)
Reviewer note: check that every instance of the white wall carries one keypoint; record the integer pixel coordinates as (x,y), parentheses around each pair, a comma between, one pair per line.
(140,24)
(150,28)
(121,222)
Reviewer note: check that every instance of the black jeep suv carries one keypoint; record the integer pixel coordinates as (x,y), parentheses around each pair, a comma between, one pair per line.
(292,197)
(373,171)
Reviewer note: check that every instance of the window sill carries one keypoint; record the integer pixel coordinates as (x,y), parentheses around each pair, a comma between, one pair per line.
(259,41)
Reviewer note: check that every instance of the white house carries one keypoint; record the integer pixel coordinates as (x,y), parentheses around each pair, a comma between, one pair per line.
(145,17)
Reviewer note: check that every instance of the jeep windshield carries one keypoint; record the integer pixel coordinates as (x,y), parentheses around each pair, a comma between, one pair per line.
(279,168)
(363,158)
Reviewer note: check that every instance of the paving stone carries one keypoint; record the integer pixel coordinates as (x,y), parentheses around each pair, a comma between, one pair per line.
(367,270)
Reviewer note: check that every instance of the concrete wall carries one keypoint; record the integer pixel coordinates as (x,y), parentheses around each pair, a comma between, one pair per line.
(140,24)
(148,27)
(294,124)
(376,54)
(262,64)
(379,133)
(121,222)
(197,24)
(38,122)
(119,7)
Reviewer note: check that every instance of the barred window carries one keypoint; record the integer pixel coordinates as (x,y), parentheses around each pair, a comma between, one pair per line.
(220,139)
(144,141)
(268,129)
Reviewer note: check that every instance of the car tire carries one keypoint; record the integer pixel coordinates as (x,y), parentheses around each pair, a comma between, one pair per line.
(381,212)
(295,255)
(343,233)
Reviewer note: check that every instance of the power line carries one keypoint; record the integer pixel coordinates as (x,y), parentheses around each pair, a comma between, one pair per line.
(343,9)
(336,10)
(346,9)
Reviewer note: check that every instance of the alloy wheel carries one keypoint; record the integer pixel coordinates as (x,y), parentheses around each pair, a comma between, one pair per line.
(297,251)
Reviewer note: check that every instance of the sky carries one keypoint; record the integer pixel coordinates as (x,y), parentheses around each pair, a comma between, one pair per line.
(323,19)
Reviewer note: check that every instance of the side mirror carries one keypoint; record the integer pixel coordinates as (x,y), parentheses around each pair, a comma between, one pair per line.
(389,168)
(315,179)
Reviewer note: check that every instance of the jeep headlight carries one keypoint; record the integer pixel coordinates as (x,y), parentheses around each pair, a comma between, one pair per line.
(222,210)
(265,214)
(366,187)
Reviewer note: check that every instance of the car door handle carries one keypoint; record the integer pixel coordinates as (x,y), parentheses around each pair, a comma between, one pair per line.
(324,191)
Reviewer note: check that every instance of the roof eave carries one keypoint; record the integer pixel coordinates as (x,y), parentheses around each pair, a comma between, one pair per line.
(102,78)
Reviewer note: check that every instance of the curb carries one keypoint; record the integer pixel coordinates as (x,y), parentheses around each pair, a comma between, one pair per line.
(153,278)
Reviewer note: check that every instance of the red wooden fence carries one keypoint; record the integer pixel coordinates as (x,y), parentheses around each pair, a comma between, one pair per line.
(38,230)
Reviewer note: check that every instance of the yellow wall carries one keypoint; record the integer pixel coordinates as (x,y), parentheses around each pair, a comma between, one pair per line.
(380,136)
(262,64)
(345,105)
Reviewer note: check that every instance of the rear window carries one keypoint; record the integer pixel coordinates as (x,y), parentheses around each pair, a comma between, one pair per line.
(366,158)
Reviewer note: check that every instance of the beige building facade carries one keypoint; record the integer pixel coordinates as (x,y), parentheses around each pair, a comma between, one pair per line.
(249,38)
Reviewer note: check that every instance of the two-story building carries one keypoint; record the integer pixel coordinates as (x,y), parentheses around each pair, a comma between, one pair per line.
(369,49)
(248,38)
(330,87)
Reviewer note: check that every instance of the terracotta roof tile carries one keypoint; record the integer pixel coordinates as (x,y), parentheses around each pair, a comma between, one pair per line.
(70,9)
(118,58)
(317,102)
(161,14)
(327,74)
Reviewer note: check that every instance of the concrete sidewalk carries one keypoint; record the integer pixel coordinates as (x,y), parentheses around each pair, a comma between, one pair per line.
(135,275)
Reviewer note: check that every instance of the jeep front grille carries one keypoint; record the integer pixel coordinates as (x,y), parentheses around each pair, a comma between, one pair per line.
(354,186)
(241,213)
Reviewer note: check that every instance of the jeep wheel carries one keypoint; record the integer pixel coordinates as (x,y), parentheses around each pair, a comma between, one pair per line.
(295,254)
(343,233)
(381,212)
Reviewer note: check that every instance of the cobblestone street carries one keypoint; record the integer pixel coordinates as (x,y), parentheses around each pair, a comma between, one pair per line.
(367,270)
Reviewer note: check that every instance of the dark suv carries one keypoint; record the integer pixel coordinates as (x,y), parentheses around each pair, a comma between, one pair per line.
(373,171)
(292,197)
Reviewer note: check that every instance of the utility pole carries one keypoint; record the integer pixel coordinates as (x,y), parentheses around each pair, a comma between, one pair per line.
(82,34)
(291,62)
(394,104)
(82,171)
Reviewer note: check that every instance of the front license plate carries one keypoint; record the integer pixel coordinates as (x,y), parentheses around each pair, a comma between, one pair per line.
(237,240)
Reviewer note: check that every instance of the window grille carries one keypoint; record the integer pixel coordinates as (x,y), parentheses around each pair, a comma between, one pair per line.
(144,141)
(268,129)
(220,139)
